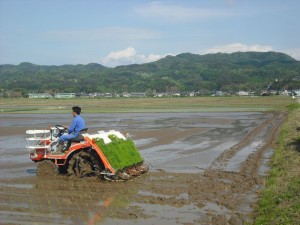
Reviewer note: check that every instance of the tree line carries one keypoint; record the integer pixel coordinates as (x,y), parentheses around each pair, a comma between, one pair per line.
(240,71)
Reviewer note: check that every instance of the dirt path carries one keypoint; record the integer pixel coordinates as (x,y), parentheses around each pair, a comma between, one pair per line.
(222,191)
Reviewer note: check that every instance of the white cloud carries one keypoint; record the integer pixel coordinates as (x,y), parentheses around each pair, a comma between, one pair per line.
(153,57)
(177,12)
(127,53)
(128,56)
(295,53)
(238,47)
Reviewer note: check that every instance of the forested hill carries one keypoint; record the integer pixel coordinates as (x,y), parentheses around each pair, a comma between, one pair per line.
(248,71)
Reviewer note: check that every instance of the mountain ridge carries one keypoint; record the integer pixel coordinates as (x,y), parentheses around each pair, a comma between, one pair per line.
(250,71)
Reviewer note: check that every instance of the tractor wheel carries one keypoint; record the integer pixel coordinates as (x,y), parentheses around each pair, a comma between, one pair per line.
(83,164)
(46,168)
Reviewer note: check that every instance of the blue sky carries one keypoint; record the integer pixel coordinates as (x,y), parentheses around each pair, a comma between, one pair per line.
(111,32)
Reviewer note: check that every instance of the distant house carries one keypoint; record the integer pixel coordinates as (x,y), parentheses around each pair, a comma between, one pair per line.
(39,95)
(296,93)
(138,94)
(65,95)
(176,95)
(126,94)
(192,94)
(108,95)
(243,93)
(265,93)
(286,93)
(159,95)
(219,93)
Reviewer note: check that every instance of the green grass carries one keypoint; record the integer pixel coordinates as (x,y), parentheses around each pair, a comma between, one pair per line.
(120,153)
(293,106)
(280,200)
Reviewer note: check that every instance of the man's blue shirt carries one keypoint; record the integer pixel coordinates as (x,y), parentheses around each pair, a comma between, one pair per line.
(77,125)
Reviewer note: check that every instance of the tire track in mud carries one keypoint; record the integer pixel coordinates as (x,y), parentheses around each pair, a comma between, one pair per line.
(237,191)
(253,162)
(274,122)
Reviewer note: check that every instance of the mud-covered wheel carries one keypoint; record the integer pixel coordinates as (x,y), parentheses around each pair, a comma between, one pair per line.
(83,164)
(46,168)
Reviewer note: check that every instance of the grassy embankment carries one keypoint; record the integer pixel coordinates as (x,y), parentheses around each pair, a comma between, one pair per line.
(115,105)
(280,199)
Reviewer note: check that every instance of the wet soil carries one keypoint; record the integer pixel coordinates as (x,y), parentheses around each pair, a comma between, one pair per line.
(205,168)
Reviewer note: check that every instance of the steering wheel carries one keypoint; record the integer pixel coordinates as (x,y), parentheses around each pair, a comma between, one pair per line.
(60,128)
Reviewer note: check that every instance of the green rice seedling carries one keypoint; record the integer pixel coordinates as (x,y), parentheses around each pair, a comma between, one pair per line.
(120,153)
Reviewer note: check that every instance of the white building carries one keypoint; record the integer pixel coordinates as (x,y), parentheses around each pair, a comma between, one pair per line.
(39,95)
(296,93)
(65,95)
(243,93)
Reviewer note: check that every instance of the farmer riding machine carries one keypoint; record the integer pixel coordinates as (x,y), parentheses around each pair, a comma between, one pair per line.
(106,155)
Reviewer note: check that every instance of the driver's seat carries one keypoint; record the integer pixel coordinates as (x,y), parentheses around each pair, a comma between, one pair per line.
(78,139)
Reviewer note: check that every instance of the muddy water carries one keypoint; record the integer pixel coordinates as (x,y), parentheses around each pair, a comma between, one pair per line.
(180,147)
(178,142)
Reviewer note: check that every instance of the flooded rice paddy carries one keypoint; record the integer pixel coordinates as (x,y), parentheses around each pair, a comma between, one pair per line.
(206,168)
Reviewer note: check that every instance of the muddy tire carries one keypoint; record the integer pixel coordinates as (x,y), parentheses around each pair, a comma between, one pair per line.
(46,168)
(83,164)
